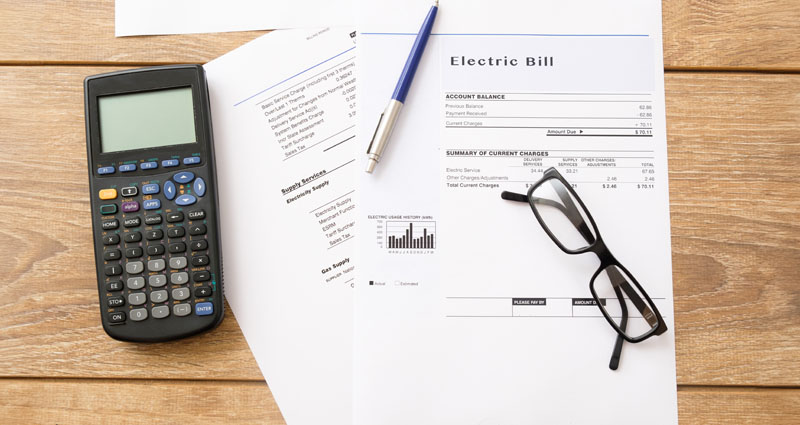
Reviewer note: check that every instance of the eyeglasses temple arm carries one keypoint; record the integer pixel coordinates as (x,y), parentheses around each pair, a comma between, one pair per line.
(617,353)
(649,315)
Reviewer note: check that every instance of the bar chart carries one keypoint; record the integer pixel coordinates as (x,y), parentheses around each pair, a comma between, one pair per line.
(410,234)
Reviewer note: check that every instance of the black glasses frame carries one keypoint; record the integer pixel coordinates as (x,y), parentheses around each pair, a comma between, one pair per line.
(607,259)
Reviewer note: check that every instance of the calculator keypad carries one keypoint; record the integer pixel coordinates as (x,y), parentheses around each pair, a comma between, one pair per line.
(157,265)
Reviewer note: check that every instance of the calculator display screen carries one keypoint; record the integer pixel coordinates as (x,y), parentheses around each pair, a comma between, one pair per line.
(146,120)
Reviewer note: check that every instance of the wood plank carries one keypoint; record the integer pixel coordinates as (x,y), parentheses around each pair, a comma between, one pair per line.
(757,34)
(734,198)
(77,401)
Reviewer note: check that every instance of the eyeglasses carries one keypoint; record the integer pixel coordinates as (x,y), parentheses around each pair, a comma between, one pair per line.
(616,292)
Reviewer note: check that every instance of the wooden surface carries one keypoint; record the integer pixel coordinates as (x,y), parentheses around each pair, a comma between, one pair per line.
(733,112)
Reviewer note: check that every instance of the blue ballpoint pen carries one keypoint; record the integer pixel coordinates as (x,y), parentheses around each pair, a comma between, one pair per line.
(390,114)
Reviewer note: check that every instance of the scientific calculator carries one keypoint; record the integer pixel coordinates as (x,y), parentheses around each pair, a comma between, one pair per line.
(154,207)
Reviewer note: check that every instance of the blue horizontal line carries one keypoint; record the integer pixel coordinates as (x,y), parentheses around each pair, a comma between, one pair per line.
(513,35)
(295,75)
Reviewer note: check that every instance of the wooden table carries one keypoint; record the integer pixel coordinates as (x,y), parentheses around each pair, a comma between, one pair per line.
(733,110)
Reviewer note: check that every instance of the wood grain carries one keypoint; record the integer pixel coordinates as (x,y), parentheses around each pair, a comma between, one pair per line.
(756,34)
(722,406)
(734,197)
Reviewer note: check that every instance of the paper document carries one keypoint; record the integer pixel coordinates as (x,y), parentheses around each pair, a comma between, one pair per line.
(152,17)
(466,311)
(283,110)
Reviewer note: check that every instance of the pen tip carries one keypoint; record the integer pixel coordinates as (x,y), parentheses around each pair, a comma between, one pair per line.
(436,3)
(371,165)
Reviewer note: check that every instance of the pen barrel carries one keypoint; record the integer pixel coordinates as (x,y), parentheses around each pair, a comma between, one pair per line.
(401,90)
(385,126)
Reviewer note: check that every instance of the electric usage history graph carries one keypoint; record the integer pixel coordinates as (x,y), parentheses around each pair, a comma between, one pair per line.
(410,234)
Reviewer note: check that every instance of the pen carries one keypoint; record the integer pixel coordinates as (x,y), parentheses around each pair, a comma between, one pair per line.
(390,114)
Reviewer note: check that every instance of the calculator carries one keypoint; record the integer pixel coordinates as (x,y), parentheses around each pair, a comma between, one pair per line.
(153,196)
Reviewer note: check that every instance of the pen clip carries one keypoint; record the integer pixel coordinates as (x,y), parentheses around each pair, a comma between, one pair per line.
(369,148)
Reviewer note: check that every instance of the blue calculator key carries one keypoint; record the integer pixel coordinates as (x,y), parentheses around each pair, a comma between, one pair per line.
(105,170)
(151,204)
(203,309)
(199,187)
(169,163)
(124,168)
(185,200)
(149,189)
(183,177)
(148,165)
(169,190)
(191,160)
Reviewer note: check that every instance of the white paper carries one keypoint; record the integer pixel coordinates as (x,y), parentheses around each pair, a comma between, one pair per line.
(283,110)
(439,339)
(152,17)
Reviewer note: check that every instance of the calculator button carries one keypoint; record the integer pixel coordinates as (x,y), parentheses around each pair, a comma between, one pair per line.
(151,204)
(179,278)
(200,260)
(152,219)
(135,282)
(198,245)
(116,301)
(131,206)
(157,249)
(185,200)
(167,163)
(105,170)
(152,235)
(150,189)
(181,309)
(110,224)
(157,280)
(132,237)
(197,214)
(125,168)
(132,221)
(156,265)
(176,232)
(177,262)
(183,177)
(180,294)
(197,229)
(203,309)
(191,160)
(139,314)
(134,267)
(199,187)
(108,209)
(113,270)
(174,217)
(112,254)
(114,285)
(116,317)
(148,165)
(169,190)
(133,252)
(137,298)
(110,239)
(129,191)
(106,194)
(202,292)
(160,312)
(201,276)
(177,247)
(158,296)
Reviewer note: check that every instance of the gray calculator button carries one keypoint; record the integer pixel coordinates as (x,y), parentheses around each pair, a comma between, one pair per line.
(158,296)
(177,262)
(180,294)
(180,309)
(138,314)
(157,280)
(179,278)
(134,267)
(160,312)
(135,282)
(137,298)
(155,265)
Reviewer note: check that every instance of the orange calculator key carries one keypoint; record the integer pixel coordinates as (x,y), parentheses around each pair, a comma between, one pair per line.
(108,194)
